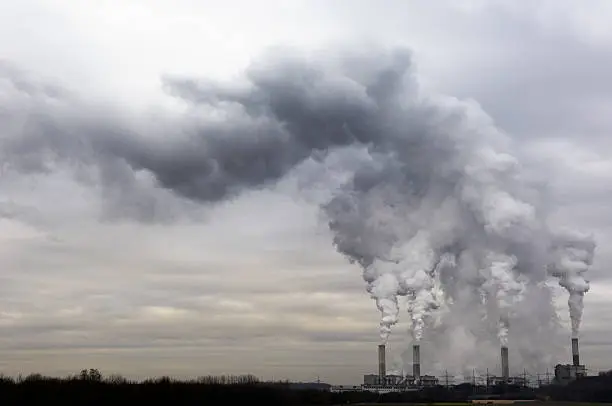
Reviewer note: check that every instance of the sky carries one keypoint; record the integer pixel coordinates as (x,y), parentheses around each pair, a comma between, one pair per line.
(145,274)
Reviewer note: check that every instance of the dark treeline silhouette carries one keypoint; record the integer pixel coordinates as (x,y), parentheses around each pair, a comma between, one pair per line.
(91,388)
(587,389)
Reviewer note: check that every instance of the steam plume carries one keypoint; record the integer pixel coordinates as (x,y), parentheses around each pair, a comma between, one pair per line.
(429,191)
(503,286)
(573,254)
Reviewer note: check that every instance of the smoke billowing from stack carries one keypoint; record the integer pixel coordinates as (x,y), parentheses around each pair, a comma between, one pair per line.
(573,254)
(410,178)
(382,363)
(416,362)
(575,352)
(505,369)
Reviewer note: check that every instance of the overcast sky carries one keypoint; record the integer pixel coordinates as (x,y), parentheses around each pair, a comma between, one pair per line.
(255,285)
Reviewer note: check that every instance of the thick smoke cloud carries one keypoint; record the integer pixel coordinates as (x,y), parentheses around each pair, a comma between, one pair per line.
(432,204)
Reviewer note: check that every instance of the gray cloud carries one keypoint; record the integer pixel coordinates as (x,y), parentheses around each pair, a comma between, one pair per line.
(549,84)
(292,110)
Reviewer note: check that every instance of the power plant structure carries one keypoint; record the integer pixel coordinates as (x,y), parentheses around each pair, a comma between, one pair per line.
(384,382)
(566,373)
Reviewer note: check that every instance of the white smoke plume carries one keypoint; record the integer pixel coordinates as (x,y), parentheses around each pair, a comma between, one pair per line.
(573,254)
(428,197)
(462,197)
(504,288)
(417,278)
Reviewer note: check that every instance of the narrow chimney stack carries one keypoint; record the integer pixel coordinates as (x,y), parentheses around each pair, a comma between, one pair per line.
(575,352)
(504,363)
(382,366)
(416,362)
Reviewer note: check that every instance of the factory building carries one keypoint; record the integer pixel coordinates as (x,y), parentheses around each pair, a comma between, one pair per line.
(428,381)
(372,379)
(568,373)
(385,383)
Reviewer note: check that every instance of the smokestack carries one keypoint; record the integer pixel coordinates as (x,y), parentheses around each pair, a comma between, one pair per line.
(504,363)
(575,353)
(382,367)
(416,361)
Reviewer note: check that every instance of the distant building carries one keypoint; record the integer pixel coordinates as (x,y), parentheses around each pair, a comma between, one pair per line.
(518,380)
(511,380)
(428,380)
(371,379)
(387,388)
(496,380)
(393,379)
(568,373)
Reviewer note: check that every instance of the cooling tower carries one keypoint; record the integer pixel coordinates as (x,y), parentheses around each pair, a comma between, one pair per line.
(504,363)
(575,353)
(382,367)
(416,362)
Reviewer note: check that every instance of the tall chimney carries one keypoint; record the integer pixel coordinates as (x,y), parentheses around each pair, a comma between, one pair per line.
(382,367)
(575,353)
(504,363)
(416,362)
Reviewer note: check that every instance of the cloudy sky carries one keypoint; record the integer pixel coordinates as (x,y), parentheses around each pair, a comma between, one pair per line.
(139,280)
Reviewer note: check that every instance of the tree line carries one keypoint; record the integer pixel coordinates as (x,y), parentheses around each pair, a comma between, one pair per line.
(92,388)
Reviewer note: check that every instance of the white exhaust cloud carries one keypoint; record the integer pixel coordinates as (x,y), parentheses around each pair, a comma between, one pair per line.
(430,200)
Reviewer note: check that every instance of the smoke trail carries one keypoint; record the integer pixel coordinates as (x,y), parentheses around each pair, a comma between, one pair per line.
(430,191)
(418,282)
(503,286)
(384,290)
(573,254)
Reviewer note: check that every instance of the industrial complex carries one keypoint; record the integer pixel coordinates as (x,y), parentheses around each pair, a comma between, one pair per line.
(570,372)
(386,383)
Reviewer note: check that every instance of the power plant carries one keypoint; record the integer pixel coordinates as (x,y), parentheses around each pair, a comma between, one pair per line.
(565,373)
(384,382)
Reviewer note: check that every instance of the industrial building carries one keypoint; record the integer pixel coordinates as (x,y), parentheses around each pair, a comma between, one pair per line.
(386,383)
(567,373)
(383,382)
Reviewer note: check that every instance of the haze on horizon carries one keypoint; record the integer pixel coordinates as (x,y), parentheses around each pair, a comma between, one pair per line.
(138,280)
